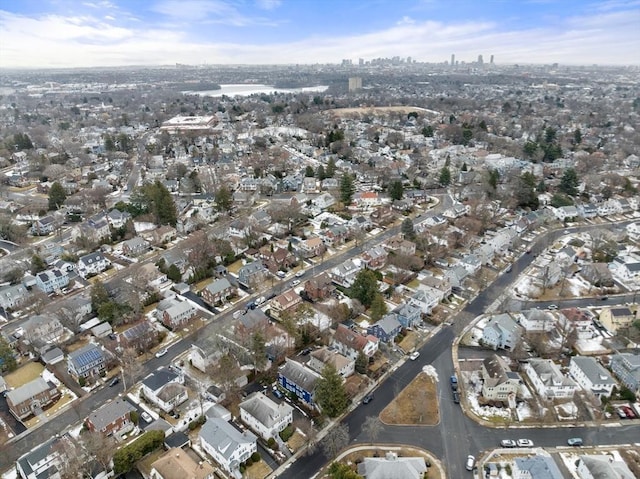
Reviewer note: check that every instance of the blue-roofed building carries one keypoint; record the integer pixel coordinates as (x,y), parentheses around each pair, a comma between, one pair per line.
(408,315)
(298,379)
(87,361)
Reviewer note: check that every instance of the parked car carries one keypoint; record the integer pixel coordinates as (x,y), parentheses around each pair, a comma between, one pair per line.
(454,380)
(161,353)
(414,355)
(300,273)
(113,382)
(525,443)
(471,461)
(553,306)
(146,416)
(508,443)
(295,282)
(281,274)
(575,441)
(260,300)
(277,393)
(367,399)
(456,397)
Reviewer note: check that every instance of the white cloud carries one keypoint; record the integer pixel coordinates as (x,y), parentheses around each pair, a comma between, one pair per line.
(85,40)
(268,4)
(208,11)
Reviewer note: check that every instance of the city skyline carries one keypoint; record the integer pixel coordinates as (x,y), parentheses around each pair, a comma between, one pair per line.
(64,33)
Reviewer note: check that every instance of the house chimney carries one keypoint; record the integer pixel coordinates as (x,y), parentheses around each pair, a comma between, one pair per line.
(178,455)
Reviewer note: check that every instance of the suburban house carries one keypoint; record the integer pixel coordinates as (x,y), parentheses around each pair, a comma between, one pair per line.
(400,245)
(264,416)
(112,419)
(375,258)
(350,343)
(162,235)
(43,226)
(626,366)
(392,466)
(548,380)
(345,273)
(501,332)
(89,360)
(42,330)
(165,389)
(319,358)
(43,461)
(537,320)
(311,247)
(616,318)
(31,398)
(498,381)
(92,264)
(140,337)
(319,287)
(408,315)
(13,296)
(576,319)
(225,444)
(117,219)
(298,379)
(252,274)
(177,315)
(95,228)
(177,464)
(135,246)
(286,301)
(425,298)
(596,466)
(591,376)
(52,280)
(386,328)
(536,466)
(218,291)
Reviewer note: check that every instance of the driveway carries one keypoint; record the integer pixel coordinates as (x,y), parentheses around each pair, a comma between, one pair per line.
(15,426)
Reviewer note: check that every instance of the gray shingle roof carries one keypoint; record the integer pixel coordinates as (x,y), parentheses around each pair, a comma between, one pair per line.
(28,390)
(222,436)
(108,413)
(159,378)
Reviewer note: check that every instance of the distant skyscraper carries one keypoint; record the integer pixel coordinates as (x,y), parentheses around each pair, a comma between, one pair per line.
(491,61)
(355,84)
(360,61)
(453,59)
(480,60)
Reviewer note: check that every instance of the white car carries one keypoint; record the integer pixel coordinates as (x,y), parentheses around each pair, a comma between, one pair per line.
(295,282)
(508,443)
(260,300)
(552,306)
(146,416)
(300,273)
(525,443)
(471,461)
(414,355)
(161,353)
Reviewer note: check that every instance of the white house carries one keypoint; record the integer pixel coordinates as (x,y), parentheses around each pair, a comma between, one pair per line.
(264,416)
(165,389)
(52,280)
(501,332)
(426,298)
(225,444)
(591,376)
(548,380)
(320,358)
(92,263)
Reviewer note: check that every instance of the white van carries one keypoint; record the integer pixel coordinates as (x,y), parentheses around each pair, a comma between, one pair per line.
(471,461)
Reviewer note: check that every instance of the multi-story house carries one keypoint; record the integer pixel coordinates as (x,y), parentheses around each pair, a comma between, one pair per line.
(591,376)
(252,274)
(501,332)
(298,379)
(52,280)
(385,329)
(177,464)
(345,273)
(178,314)
(165,389)
(617,318)
(538,466)
(548,380)
(264,416)
(286,301)
(140,337)
(319,287)
(375,257)
(626,366)
(31,398)
(95,229)
(112,419)
(351,344)
(498,381)
(401,246)
(135,246)
(117,219)
(426,298)
(226,445)
(218,291)
(311,247)
(13,296)
(89,360)
(239,228)
(42,330)
(320,358)
(43,226)
(92,263)
(44,461)
(408,315)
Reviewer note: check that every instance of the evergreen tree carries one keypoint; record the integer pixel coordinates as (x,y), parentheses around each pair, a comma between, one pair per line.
(330,393)
(569,182)
(173,273)
(407,228)
(445,176)
(320,173)
(347,189)
(525,191)
(164,208)
(577,136)
(308,172)
(331,168)
(7,360)
(362,362)
(427,131)
(364,287)
(57,196)
(378,307)
(396,190)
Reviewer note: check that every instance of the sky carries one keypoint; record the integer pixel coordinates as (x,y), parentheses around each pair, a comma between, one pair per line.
(79,33)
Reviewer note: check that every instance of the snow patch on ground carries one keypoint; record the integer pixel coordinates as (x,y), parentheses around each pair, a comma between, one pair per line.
(567,411)
(474,390)
(591,346)
(429,370)
(523,411)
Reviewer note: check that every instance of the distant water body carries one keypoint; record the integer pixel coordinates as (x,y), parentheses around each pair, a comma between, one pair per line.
(246,90)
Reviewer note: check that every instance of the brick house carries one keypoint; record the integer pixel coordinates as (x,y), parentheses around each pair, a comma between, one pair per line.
(112,419)
(319,287)
(375,258)
(30,398)
(218,291)
(286,301)
(141,336)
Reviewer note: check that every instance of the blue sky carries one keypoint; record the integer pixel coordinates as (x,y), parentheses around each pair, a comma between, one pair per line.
(80,33)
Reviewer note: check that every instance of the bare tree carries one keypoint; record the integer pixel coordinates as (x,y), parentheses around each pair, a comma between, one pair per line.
(335,441)
(69,319)
(372,427)
(99,447)
(130,366)
(310,432)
